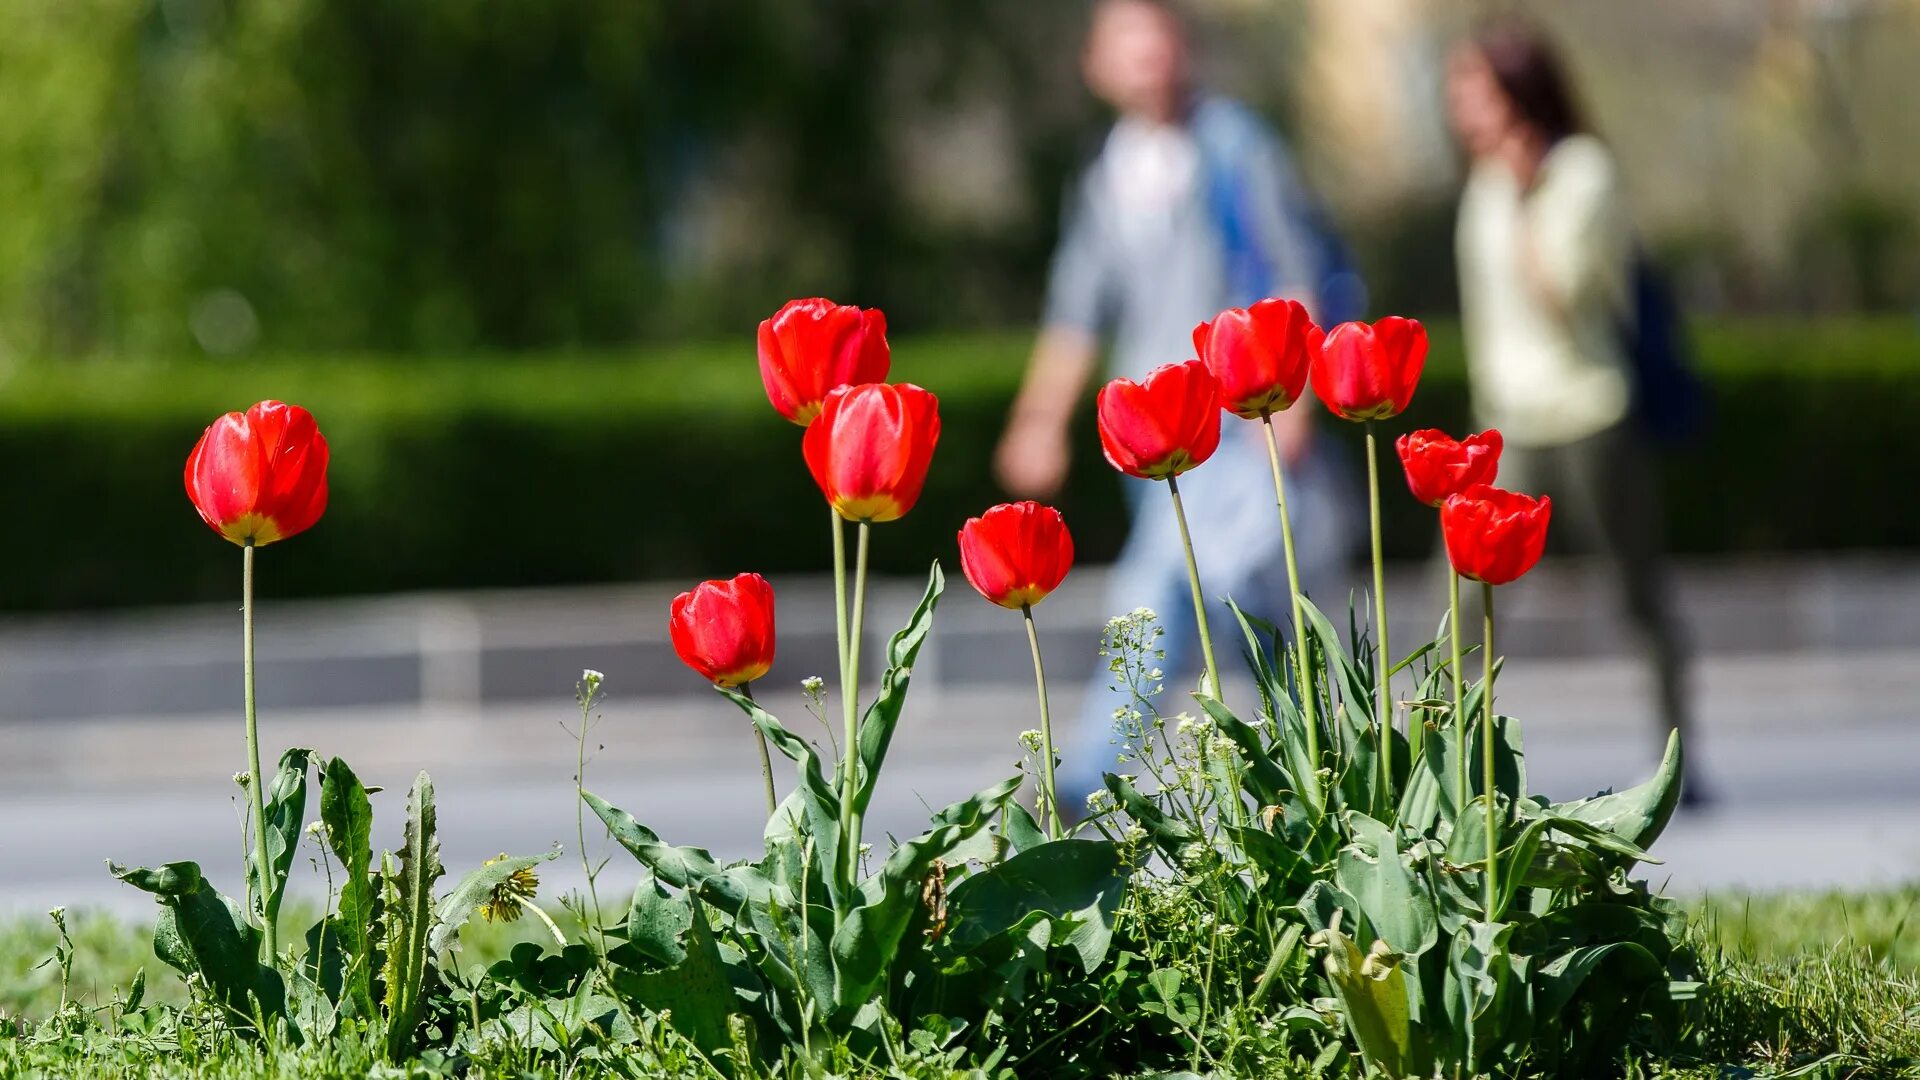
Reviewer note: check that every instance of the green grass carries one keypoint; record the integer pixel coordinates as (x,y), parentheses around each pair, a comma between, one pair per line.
(1811,985)
(1828,984)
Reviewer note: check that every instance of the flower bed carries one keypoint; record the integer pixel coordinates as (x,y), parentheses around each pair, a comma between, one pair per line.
(1346,872)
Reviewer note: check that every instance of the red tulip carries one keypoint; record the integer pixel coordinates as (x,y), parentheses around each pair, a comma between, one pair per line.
(261,475)
(1494,535)
(870,448)
(1016,553)
(812,347)
(1260,355)
(1438,465)
(724,629)
(1163,425)
(1368,372)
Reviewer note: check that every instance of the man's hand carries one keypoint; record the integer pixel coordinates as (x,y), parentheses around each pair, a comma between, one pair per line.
(1031,461)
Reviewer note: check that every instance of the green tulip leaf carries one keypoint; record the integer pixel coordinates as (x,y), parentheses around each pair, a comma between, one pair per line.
(868,937)
(1260,778)
(286,811)
(692,992)
(1373,992)
(819,803)
(728,888)
(1019,829)
(883,715)
(1639,814)
(656,922)
(1372,870)
(201,933)
(1075,885)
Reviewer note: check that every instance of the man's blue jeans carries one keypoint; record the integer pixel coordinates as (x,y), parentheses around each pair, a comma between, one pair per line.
(1236,538)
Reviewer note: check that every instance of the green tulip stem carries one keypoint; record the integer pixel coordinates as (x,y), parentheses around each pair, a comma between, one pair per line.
(262,883)
(766,761)
(846,688)
(1199,597)
(1046,727)
(1309,694)
(840,609)
(1462,794)
(1384,689)
(1486,746)
(850,832)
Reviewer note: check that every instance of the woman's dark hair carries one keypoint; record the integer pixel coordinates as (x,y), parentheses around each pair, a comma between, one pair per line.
(1529,71)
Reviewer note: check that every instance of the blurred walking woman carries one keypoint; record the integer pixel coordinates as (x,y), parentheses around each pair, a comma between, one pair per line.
(1546,259)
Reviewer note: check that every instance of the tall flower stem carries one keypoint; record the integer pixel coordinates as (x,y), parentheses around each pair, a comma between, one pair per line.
(1459,708)
(840,606)
(1199,597)
(1309,695)
(850,821)
(255,786)
(588,687)
(766,762)
(1046,726)
(1384,689)
(1486,746)
(846,688)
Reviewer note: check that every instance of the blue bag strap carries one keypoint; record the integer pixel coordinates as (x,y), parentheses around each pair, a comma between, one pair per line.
(1249,272)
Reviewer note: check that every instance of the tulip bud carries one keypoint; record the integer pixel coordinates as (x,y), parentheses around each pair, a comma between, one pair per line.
(1369,372)
(870,448)
(1493,535)
(1164,424)
(1259,355)
(1016,553)
(1437,465)
(259,476)
(810,348)
(724,629)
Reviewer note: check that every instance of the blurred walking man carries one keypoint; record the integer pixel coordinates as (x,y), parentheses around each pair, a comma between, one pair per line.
(1192,206)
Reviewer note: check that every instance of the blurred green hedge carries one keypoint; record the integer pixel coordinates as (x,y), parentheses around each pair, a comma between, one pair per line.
(541,469)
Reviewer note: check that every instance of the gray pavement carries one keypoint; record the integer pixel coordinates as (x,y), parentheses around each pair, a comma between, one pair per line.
(119,733)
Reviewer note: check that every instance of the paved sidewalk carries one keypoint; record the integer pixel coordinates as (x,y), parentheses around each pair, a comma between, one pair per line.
(119,733)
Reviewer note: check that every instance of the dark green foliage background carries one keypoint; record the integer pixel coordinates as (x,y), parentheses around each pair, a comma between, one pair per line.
(460,471)
(419,175)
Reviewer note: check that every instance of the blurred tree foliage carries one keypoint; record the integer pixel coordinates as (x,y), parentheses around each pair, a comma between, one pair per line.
(406,174)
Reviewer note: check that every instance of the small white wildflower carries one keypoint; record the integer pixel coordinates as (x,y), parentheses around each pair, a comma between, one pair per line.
(1100,802)
(243,779)
(813,685)
(592,677)
(1134,834)
(1031,740)
(313,828)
